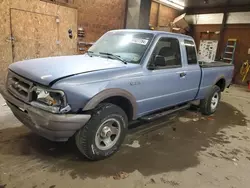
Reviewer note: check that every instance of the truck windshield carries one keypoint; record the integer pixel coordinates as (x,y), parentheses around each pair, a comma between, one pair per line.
(129,46)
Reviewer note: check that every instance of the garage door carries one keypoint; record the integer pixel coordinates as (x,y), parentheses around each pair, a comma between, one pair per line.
(34,35)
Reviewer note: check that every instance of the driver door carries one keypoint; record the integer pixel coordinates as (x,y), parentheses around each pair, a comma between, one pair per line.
(165,82)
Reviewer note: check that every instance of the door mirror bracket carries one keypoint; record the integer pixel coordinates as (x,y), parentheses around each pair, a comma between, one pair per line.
(159,61)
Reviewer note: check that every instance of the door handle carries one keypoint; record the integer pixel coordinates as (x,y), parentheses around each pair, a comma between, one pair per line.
(183,74)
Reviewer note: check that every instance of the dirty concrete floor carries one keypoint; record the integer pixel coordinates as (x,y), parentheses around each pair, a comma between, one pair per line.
(183,150)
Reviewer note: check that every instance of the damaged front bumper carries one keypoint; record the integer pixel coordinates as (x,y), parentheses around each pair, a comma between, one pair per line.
(55,127)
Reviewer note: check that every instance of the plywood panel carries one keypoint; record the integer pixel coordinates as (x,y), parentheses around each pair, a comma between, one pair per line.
(67,16)
(167,15)
(35,35)
(5,43)
(153,14)
(68,20)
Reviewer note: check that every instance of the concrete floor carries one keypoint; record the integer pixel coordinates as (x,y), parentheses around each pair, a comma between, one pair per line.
(184,150)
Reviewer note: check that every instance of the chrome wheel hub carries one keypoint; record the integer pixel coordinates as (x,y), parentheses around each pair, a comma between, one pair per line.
(214,101)
(108,134)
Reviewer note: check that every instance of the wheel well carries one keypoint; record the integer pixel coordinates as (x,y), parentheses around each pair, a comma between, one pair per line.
(123,103)
(221,84)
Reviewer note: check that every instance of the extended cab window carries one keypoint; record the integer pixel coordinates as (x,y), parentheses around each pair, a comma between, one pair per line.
(191,52)
(167,49)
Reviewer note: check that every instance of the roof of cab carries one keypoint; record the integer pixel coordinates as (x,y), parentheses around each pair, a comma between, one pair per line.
(154,32)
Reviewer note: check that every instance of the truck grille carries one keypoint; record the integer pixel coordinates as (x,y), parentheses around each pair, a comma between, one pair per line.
(19,87)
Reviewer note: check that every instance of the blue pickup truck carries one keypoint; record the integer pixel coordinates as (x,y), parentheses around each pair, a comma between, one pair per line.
(126,75)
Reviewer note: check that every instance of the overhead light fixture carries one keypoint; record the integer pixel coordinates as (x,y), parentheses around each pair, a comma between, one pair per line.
(177,5)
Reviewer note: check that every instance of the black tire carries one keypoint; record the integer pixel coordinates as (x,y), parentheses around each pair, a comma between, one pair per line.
(85,137)
(206,107)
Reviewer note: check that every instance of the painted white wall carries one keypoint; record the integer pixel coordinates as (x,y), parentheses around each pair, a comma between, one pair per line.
(233,18)
(238,18)
(198,19)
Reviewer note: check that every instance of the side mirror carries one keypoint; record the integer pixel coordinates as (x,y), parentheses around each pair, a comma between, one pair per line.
(159,61)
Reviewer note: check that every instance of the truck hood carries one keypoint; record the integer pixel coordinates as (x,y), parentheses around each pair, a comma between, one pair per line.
(46,70)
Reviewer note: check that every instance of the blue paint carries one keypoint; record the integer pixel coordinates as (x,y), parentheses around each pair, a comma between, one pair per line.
(82,77)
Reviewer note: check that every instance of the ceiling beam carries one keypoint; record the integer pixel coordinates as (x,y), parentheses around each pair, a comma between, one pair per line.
(221,9)
(224,22)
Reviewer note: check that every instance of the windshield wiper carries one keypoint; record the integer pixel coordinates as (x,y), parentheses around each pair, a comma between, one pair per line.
(114,56)
(90,53)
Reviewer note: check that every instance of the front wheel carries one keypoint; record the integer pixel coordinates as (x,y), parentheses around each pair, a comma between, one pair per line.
(211,102)
(104,133)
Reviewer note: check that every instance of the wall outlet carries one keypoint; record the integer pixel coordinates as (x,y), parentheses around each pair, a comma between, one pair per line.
(249,51)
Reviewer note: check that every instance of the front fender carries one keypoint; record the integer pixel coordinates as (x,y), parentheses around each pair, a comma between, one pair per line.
(112,92)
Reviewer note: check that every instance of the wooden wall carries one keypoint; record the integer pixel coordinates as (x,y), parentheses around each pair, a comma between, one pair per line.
(38,12)
(98,16)
(198,29)
(161,15)
(239,31)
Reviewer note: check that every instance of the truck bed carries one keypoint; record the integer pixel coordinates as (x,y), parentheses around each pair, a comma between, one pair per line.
(214,64)
(211,73)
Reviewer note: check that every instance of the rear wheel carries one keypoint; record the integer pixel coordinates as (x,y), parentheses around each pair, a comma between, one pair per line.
(104,133)
(211,102)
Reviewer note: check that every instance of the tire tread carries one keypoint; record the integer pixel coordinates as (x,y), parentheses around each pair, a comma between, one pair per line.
(82,137)
(205,103)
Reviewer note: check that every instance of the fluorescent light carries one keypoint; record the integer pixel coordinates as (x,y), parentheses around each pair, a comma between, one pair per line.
(173,4)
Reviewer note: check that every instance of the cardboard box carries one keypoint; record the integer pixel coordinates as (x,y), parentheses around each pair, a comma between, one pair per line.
(180,22)
(179,25)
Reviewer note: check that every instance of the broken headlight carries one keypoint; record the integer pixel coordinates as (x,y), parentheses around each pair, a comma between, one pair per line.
(49,100)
